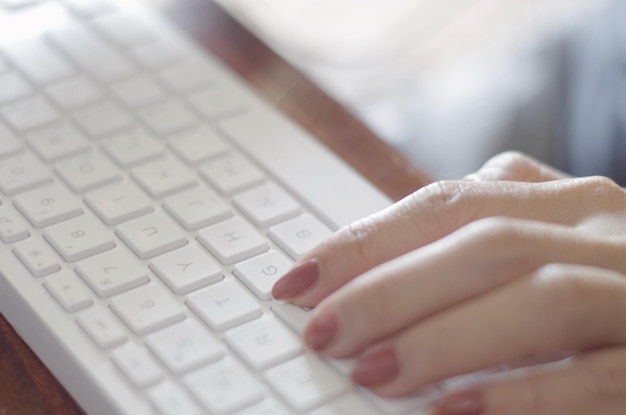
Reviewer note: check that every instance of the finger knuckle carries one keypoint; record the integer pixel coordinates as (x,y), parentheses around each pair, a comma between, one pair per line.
(494,231)
(510,161)
(360,237)
(443,202)
(501,237)
(508,165)
(601,186)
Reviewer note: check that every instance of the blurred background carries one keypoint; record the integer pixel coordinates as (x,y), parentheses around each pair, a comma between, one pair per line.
(453,82)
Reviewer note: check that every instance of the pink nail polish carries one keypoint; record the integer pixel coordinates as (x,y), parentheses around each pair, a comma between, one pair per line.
(297,280)
(322,330)
(376,368)
(464,403)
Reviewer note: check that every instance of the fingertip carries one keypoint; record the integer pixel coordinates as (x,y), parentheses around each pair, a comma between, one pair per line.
(376,368)
(469,402)
(301,278)
(323,330)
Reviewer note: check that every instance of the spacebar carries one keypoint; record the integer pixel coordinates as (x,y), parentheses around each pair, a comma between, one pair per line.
(335,192)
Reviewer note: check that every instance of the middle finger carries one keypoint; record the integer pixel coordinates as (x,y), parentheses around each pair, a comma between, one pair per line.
(472,261)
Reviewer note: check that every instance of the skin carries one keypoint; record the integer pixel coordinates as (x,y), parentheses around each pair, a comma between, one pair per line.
(516,261)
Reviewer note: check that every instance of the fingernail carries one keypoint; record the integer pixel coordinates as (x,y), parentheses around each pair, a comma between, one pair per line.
(465,403)
(376,368)
(297,280)
(322,330)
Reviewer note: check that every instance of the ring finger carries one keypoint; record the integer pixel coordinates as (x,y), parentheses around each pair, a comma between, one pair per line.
(551,311)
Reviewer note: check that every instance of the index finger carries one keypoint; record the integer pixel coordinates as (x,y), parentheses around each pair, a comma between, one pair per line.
(430,214)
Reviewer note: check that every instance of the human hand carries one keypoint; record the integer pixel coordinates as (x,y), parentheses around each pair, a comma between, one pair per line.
(517,261)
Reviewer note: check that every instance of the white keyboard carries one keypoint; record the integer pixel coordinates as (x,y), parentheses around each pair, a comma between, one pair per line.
(149,201)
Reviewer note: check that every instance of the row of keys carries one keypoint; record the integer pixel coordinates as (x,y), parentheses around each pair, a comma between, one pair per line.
(223,387)
(127,148)
(305,382)
(100,118)
(25,111)
(231,241)
(83,173)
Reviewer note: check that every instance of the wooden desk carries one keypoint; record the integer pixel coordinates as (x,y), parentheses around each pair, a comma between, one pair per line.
(26,386)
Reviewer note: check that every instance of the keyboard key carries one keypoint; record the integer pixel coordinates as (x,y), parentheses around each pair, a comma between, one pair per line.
(266,205)
(79,238)
(198,144)
(217,101)
(112,272)
(231,173)
(75,93)
(137,365)
(57,141)
(138,92)
(29,113)
(91,53)
(48,205)
(103,328)
(13,86)
(188,76)
(403,405)
(132,147)
(158,54)
(164,177)
(12,226)
(185,346)
(37,60)
(170,399)
(22,173)
(351,404)
(124,29)
(152,235)
(224,305)
(37,256)
(264,342)
(87,172)
(89,8)
(102,119)
(296,317)
(260,273)
(233,241)
(224,387)
(119,203)
(167,118)
(268,407)
(9,144)
(344,365)
(197,208)
(306,382)
(298,236)
(69,291)
(146,309)
(186,269)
